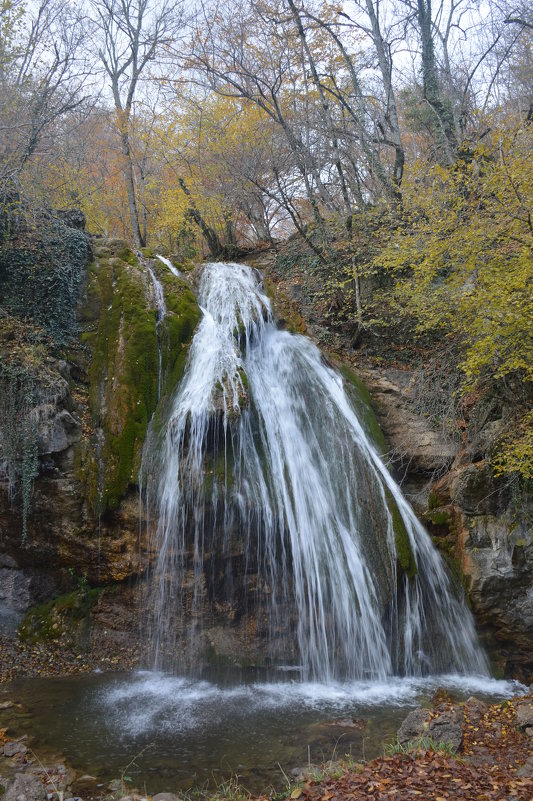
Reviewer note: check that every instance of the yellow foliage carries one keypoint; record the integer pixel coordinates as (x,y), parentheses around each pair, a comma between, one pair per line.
(206,147)
(462,258)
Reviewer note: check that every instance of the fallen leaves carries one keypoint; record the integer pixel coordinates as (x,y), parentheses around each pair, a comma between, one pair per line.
(493,749)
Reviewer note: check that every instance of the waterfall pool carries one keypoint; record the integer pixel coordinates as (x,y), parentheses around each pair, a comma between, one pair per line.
(171,733)
(277,520)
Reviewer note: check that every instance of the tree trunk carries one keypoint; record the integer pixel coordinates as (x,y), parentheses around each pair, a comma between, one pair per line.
(443,117)
(391,111)
(130,186)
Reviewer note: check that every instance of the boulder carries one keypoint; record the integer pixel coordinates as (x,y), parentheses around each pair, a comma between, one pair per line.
(474,709)
(58,430)
(25,787)
(443,727)
(12,749)
(414,726)
(446,728)
(524,715)
(85,785)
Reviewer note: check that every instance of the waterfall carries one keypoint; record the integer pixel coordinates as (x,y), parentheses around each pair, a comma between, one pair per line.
(168,264)
(161,311)
(276,514)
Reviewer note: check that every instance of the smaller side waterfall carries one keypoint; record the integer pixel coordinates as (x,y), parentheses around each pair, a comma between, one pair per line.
(161,311)
(275,512)
(168,264)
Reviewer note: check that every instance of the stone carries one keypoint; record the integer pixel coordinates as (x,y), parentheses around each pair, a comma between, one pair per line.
(414,444)
(474,709)
(526,769)
(15,589)
(84,785)
(446,728)
(299,775)
(58,430)
(496,555)
(524,715)
(165,797)
(25,787)
(414,726)
(477,492)
(12,749)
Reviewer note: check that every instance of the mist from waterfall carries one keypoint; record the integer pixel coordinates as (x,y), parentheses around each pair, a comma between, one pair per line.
(274,507)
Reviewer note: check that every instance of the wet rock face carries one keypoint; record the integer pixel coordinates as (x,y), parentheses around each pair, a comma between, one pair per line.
(471,515)
(476,492)
(417,451)
(64,535)
(494,547)
(497,560)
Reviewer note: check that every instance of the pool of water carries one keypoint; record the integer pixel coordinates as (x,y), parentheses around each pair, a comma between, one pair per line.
(175,733)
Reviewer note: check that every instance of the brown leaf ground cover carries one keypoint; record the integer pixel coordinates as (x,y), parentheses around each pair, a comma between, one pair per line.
(495,764)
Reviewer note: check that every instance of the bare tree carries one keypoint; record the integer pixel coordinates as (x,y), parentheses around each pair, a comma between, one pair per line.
(131,35)
(43,77)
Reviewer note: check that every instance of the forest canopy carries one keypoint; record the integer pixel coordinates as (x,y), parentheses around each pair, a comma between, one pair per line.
(393,139)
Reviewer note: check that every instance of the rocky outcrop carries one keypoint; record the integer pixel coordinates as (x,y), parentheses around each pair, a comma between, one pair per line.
(485,535)
(496,558)
(76,406)
(416,450)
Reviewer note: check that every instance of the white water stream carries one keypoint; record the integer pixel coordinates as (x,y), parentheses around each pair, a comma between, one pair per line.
(264,459)
(161,311)
(168,264)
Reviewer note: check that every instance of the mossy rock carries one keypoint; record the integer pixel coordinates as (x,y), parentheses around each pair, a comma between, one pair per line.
(126,254)
(360,397)
(177,329)
(51,620)
(404,553)
(440,517)
(123,372)
(122,379)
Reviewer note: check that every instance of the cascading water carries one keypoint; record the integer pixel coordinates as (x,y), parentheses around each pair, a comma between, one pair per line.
(161,311)
(275,509)
(168,264)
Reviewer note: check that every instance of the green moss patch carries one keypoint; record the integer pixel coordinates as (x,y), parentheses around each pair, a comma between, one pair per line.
(177,328)
(123,372)
(59,616)
(404,552)
(360,397)
(122,378)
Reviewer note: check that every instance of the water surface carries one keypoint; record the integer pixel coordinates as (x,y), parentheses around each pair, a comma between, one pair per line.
(184,733)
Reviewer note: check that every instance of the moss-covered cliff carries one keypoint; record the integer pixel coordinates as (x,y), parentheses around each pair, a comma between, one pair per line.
(79,363)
